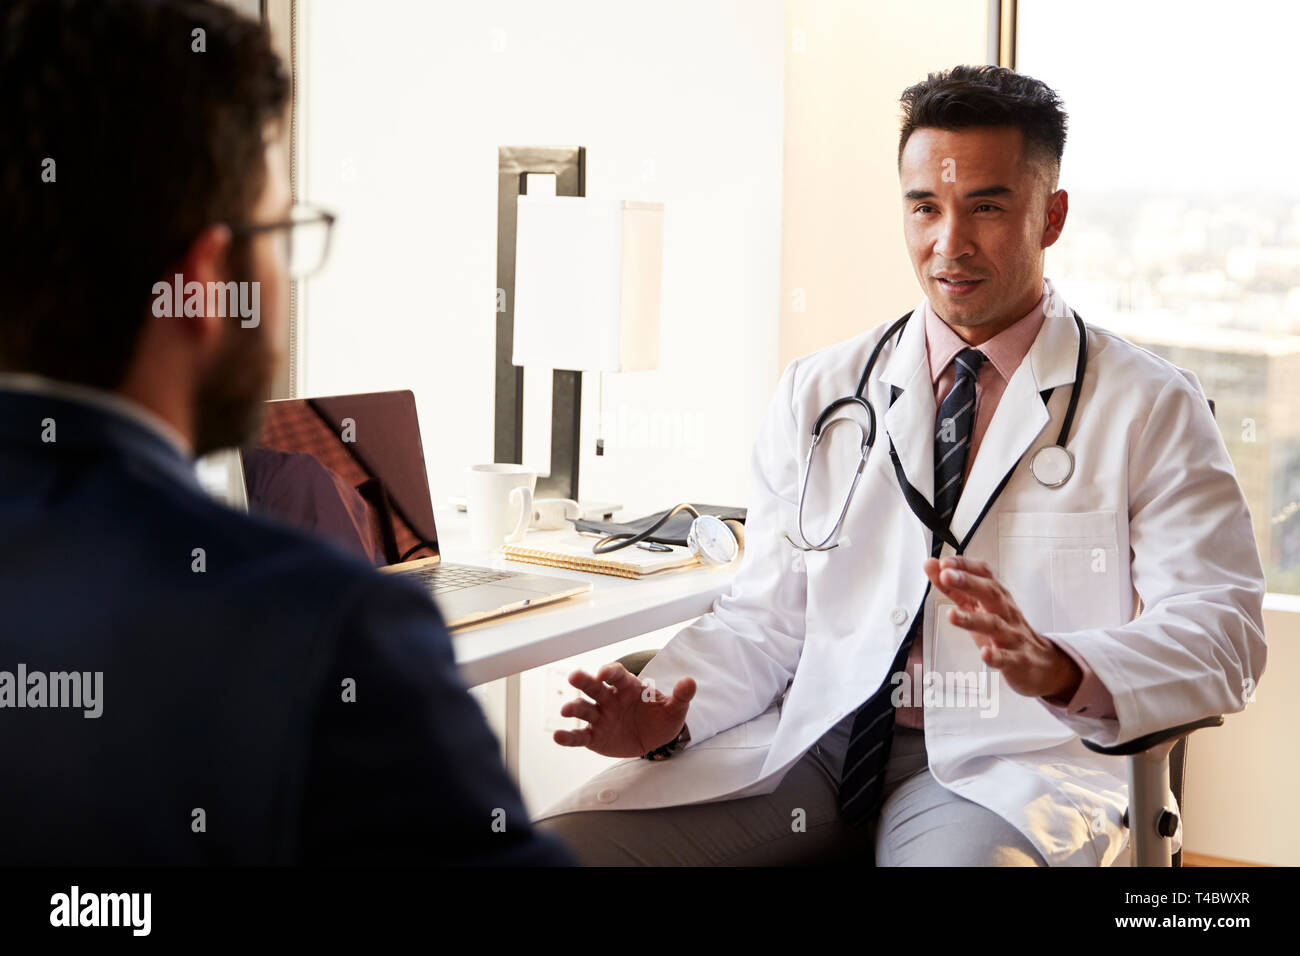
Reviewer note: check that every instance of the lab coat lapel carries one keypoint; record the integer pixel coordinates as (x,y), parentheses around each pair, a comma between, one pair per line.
(1021,414)
(910,420)
(1018,420)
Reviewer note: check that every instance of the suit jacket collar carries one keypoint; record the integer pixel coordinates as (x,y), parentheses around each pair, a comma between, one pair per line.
(30,418)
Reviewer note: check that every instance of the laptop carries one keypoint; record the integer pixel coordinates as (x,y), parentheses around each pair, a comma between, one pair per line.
(351,468)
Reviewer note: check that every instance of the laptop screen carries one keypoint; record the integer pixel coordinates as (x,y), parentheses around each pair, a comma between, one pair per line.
(349,468)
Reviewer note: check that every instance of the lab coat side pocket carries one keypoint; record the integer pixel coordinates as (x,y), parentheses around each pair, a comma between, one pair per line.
(953,646)
(756,732)
(960,678)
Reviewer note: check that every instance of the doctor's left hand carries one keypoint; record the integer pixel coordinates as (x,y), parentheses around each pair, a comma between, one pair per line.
(1030,664)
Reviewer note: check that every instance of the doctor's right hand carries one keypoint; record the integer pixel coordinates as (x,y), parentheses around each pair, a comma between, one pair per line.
(628,718)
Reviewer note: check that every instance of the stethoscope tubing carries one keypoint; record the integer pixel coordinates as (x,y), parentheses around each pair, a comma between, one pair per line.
(626,539)
(821,428)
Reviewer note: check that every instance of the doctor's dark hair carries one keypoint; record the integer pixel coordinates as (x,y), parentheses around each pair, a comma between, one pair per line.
(967,97)
(129,126)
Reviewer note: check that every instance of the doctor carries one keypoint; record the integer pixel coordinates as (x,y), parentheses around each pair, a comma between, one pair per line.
(910,676)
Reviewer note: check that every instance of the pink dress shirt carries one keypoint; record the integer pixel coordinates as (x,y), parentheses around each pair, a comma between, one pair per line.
(1004,353)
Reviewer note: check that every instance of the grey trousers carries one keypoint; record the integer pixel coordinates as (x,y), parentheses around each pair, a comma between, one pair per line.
(920,822)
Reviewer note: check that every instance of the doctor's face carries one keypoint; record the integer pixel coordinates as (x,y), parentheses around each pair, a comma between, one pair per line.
(977,216)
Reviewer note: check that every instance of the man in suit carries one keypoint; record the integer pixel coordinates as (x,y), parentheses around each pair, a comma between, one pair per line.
(180,683)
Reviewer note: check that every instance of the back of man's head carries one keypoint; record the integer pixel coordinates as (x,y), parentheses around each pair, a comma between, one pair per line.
(129,127)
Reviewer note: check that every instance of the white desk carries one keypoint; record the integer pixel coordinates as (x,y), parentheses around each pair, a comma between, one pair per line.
(614,610)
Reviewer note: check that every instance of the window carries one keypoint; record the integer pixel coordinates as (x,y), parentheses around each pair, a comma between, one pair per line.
(1183,233)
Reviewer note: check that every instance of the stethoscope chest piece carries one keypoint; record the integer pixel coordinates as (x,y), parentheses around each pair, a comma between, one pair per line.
(712,541)
(1052,466)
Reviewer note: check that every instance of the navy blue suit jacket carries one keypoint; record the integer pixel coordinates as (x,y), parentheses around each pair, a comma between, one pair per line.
(224,736)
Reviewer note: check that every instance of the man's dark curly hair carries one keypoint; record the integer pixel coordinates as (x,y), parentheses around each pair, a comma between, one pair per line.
(151,142)
(966,97)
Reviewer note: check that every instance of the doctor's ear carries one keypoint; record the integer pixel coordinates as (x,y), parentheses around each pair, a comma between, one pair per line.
(1058,207)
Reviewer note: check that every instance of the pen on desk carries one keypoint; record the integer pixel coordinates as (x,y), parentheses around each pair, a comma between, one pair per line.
(643,545)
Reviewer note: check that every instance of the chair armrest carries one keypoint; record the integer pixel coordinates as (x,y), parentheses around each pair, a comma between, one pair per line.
(637,660)
(1139,744)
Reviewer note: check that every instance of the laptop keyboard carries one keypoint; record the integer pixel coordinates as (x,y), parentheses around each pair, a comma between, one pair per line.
(441,578)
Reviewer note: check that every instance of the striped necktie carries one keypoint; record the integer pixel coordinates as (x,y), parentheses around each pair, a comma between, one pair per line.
(862,781)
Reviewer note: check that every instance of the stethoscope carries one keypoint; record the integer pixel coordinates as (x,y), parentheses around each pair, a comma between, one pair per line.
(711,539)
(1051,465)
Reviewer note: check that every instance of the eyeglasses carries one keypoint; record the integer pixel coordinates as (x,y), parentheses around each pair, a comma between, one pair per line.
(304,238)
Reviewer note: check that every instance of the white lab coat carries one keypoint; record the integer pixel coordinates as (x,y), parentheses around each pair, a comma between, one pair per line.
(1153,514)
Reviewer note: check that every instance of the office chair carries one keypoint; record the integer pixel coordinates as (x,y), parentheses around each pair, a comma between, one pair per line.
(1155,761)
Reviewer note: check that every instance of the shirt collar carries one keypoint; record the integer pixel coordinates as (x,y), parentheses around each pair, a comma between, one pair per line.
(1005,351)
(99,398)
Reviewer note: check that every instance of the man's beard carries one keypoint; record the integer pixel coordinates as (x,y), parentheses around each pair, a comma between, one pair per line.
(229,400)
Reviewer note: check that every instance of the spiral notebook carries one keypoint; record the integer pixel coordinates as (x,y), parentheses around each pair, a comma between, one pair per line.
(568,549)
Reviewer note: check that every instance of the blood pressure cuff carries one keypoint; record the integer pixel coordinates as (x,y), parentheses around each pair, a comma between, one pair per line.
(673,532)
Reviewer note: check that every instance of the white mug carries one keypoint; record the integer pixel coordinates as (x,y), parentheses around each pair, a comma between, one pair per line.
(499,499)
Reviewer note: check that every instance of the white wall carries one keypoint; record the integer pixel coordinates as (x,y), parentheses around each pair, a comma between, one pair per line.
(1242,778)
(844,267)
(405,104)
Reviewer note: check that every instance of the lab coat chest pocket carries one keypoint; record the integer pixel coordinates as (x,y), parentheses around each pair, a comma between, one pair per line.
(1061,568)
(1084,588)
